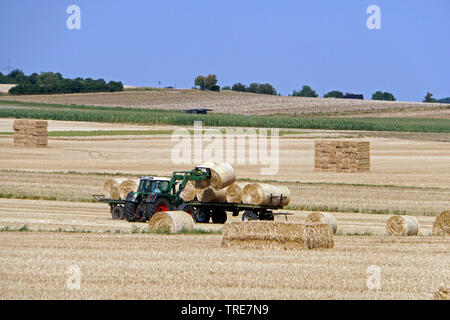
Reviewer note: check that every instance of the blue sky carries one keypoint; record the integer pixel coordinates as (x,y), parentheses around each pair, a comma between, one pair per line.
(323,43)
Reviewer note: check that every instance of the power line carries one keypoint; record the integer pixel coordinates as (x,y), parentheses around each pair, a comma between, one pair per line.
(8,68)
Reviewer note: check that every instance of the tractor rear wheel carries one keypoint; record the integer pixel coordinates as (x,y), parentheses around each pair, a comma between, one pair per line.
(129,211)
(188,209)
(249,215)
(202,215)
(219,216)
(159,205)
(117,213)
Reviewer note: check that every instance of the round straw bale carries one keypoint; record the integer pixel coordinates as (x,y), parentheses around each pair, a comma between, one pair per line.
(258,194)
(322,217)
(402,226)
(442,224)
(205,183)
(222,175)
(282,191)
(234,192)
(188,193)
(443,293)
(210,195)
(127,186)
(172,221)
(111,187)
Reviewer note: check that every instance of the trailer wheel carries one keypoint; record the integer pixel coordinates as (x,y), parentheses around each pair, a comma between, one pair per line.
(202,215)
(117,213)
(249,215)
(219,216)
(129,211)
(161,204)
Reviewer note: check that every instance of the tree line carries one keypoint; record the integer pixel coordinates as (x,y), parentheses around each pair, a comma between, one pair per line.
(210,83)
(52,83)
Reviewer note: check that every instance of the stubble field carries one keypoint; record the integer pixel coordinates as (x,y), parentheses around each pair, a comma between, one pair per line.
(408,175)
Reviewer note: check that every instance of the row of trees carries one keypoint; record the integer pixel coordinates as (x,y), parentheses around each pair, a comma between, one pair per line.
(50,83)
(210,83)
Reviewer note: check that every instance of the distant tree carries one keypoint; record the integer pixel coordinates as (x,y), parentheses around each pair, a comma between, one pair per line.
(429,98)
(199,82)
(305,92)
(16,76)
(387,96)
(444,100)
(239,87)
(334,94)
(226,88)
(114,86)
(211,81)
(266,88)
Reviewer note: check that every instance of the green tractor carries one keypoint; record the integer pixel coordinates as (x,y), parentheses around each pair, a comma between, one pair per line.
(161,194)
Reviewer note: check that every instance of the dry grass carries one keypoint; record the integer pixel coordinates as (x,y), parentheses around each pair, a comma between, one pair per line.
(224,102)
(139,266)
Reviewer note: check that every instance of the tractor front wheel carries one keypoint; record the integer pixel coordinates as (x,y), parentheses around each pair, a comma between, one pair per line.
(129,211)
(159,205)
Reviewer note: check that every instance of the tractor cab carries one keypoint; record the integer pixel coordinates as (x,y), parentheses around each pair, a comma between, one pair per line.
(148,185)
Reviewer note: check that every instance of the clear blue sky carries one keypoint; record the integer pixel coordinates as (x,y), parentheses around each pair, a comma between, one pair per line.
(323,43)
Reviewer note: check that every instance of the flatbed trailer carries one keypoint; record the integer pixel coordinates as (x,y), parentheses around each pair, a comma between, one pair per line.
(203,211)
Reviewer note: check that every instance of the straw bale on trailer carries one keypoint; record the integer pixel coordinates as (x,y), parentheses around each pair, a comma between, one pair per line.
(188,193)
(111,187)
(260,194)
(222,175)
(210,195)
(127,186)
(205,183)
(234,192)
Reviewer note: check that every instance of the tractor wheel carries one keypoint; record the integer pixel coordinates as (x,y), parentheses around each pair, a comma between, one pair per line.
(188,209)
(219,216)
(129,211)
(249,215)
(117,213)
(159,205)
(202,215)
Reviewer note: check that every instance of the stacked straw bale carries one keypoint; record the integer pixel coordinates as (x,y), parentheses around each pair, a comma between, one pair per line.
(342,156)
(222,187)
(402,226)
(275,235)
(171,221)
(442,224)
(31,133)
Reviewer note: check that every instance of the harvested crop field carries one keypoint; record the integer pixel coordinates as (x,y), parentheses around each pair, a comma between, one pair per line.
(195,267)
(49,222)
(223,102)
